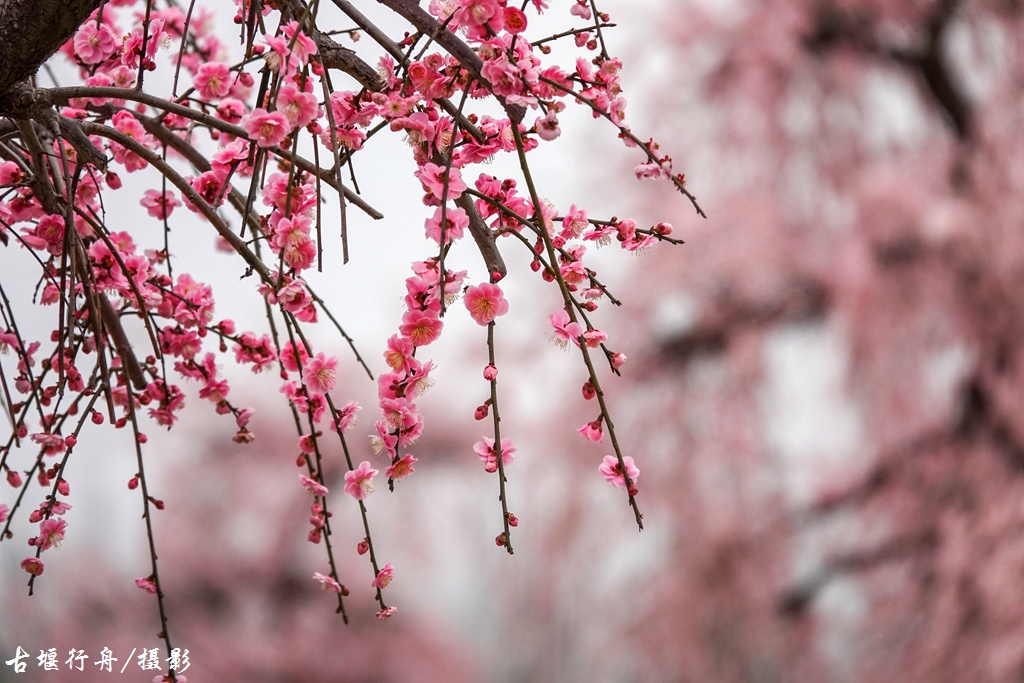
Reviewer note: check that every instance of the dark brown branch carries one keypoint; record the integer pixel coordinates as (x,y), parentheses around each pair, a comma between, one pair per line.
(32,30)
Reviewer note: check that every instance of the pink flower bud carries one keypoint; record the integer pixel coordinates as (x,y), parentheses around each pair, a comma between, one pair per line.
(499,540)
(363,547)
(158,504)
(618,360)
(70,441)
(63,488)
(513,520)
(35,516)
(97,418)
(143,438)
(481,412)
(13,478)
(133,483)
(314,536)
(588,391)
(490,372)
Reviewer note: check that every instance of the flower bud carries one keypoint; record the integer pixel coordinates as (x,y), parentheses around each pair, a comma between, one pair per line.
(63,488)
(97,418)
(588,391)
(363,547)
(133,483)
(490,372)
(499,540)
(481,412)
(513,520)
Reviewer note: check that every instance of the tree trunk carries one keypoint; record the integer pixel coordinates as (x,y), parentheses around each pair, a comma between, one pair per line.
(32,30)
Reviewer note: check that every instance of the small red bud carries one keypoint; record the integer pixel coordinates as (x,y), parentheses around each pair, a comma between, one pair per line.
(97,418)
(633,490)
(70,441)
(300,461)
(481,412)
(499,540)
(63,488)
(13,478)
(588,391)
(143,438)
(133,483)
(363,547)
(121,422)
(513,520)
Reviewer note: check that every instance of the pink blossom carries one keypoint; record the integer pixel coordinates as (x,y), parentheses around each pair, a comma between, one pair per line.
(159,204)
(400,469)
(484,450)
(547,126)
(477,12)
(33,565)
(431,176)
(421,327)
(564,330)
(320,374)
(359,482)
(146,584)
(386,613)
(213,80)
(384,577)
(4,510)
(94,45)
(327,584)
(51,533)
(485,302)
(268,129)
(455,221)
(347,416)
(612,472)
(299,107)
(592,431)
(312,487)
(515,20)
(399,353)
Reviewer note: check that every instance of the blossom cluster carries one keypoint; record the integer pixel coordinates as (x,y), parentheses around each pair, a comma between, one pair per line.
(252,114)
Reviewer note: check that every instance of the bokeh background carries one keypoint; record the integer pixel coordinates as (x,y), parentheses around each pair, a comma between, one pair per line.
(824,394)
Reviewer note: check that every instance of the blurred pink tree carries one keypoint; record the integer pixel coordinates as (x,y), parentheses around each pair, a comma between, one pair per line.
(863,164)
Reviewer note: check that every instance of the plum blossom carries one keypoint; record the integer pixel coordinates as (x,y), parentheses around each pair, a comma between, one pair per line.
(320,373)
(612,472)
(51,533)
(33,565)
(359,482)
(268,129)
(146,584)
(484,450)
(213,80)
(327,584)
(400,469)
(159,204)
(485,302)
(312,487)
(564,330)
(384,577)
